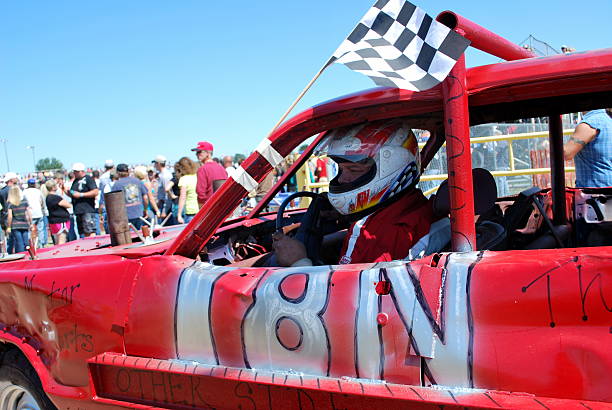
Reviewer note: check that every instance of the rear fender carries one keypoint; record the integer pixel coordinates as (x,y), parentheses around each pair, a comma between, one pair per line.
(60,312)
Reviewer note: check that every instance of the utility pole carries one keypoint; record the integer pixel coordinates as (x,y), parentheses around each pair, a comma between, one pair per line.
(32,147)
(3,140)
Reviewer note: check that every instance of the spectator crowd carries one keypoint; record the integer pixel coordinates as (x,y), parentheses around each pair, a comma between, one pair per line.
(47,207)
(55,207)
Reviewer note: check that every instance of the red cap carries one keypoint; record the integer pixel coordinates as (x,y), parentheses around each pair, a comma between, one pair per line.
(203,146)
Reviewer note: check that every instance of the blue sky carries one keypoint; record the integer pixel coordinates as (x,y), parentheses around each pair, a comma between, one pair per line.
(92,80)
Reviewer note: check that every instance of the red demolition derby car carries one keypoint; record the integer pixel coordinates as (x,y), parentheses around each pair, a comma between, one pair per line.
(504,318)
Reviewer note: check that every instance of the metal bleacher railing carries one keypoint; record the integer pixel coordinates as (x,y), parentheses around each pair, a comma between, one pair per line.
(516,154)
(532,161)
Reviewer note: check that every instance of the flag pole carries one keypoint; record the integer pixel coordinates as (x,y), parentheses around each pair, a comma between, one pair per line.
(292,106)
(331,60)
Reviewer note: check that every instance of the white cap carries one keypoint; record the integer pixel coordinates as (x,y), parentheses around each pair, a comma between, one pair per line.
(9,175)
(109,163)
(160,158)
(78,166)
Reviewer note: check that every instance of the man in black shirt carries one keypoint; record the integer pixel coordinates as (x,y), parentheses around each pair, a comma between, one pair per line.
(10,178)
(83,192)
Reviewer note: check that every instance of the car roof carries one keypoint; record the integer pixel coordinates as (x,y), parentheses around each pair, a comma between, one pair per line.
(538,78)
(536,86)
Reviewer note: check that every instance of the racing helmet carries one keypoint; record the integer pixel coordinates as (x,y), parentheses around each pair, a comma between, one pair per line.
(389,147)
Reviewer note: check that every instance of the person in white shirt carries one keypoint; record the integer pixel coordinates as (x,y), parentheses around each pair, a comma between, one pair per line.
(228,164)
(96,177)
(37,208)
(164,203)
(106,188)
(105,178)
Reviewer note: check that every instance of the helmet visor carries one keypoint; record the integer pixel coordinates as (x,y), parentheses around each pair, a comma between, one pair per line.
(352,173)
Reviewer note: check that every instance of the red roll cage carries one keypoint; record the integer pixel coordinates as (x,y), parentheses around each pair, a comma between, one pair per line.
(466,94)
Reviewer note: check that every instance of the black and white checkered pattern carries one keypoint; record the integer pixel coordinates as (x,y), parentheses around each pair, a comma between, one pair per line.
(397,44)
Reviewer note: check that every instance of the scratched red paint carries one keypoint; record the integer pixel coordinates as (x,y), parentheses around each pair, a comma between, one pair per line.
(99,324)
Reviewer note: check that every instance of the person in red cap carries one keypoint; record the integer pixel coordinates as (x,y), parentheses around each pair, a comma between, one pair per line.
(210,174)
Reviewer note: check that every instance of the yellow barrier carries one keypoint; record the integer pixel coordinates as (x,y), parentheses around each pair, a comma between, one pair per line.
(305,183)
(510,139)
(512,171)
(509,173)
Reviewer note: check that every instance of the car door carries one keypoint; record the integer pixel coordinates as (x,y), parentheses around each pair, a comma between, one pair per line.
(373,321)
(540,320)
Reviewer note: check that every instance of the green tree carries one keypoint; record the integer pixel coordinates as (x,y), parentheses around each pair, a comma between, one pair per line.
(238,158)
(45,164)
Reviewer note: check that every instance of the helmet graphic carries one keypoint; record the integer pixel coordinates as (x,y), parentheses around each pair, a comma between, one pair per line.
(388,153)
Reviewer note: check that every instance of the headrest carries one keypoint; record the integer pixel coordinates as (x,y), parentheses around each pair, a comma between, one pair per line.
(485,193)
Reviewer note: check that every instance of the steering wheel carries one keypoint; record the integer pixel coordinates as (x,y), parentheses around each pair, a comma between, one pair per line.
(280,220)
(312,229)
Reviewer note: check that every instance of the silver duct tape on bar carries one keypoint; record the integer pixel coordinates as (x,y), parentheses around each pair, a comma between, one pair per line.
(244,179)
(267,151)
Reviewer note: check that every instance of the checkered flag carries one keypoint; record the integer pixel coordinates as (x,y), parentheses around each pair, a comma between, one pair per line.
(397,44)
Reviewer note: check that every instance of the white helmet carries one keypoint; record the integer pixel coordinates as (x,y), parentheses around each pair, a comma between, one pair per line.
(392,149)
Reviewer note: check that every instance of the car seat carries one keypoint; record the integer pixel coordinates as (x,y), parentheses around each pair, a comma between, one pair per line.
(489,234)
(517,215)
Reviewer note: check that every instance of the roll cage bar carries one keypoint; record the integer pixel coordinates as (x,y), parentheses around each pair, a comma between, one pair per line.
(449,104)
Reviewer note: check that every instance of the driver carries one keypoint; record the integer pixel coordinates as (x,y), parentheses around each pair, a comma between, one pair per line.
(378,168)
